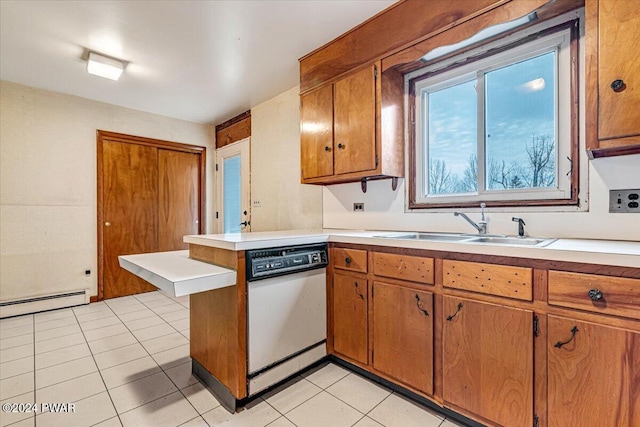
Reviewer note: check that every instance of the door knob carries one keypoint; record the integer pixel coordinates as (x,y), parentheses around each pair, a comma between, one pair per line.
(618,85)
(106,224)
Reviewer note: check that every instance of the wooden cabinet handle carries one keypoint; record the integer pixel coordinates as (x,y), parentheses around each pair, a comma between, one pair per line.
(618,85)
(559,344)
(426,313)
(450,318)
(341,146)
(327,148)
(356,290)
(595,294)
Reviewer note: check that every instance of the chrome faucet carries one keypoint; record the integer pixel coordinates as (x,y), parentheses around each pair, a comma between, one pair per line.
(481,226)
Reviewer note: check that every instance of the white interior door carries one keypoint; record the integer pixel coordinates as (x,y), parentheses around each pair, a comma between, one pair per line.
(233,209)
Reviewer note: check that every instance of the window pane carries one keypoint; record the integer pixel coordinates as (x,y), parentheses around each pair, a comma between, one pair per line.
(520,124)
(452,140)
(232,194)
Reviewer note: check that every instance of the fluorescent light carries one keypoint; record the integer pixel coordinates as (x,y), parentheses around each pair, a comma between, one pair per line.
(481,35)
(104,67)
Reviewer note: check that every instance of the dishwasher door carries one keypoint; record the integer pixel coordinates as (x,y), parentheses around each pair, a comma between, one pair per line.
(286,315)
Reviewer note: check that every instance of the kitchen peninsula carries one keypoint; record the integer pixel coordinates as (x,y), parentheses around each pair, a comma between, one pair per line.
(427,299)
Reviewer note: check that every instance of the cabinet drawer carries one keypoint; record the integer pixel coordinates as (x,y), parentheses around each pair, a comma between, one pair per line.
(349,259)
(404,267)
(500,280)
(600,294)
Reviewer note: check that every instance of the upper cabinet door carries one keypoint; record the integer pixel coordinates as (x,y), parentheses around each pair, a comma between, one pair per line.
(316,133)
(619,68)
(355,122)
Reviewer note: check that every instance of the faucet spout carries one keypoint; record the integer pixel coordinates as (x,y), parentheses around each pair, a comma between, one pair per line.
(469,220)
(481,226)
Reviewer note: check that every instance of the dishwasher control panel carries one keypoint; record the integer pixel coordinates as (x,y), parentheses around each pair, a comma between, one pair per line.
(263,263)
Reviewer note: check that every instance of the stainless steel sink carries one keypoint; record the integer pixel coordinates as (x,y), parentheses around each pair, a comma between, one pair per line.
(436,237)
(518,241)
(471,238)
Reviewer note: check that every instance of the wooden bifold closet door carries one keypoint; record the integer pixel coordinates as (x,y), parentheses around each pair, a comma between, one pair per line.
(149,197)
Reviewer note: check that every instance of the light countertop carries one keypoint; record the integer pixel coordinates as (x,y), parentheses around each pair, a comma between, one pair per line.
(605,252)
(176,274)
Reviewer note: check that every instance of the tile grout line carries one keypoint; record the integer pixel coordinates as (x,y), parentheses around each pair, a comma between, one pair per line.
(99,372)
(298,405)
(161,370)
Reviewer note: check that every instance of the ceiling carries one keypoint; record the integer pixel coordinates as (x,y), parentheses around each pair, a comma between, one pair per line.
(202,61)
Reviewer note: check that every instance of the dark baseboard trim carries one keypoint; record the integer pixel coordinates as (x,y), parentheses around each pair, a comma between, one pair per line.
(407,393)
(224,396)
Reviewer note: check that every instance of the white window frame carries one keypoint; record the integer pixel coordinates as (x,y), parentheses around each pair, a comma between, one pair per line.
(560,42)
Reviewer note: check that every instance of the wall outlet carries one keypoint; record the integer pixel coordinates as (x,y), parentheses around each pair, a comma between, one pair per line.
(87,272)
(358,207)
(256,203)
(624,201)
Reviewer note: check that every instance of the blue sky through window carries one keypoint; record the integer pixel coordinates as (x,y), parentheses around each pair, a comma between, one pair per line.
(519,115)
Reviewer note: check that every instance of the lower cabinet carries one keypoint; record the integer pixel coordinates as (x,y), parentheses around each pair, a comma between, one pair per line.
(384,321)
(488,360)
(402,322)
(350,317)
(594,375)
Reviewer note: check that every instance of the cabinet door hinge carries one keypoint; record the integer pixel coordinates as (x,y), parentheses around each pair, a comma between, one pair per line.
(375,72)
(216,215)
(535,421)
(376,160)
(216,167)
(536,326)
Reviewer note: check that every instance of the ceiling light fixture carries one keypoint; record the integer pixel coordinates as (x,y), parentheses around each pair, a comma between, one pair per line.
(104,66)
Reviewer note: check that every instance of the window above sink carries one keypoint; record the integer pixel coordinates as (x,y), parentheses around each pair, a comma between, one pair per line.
(496,123)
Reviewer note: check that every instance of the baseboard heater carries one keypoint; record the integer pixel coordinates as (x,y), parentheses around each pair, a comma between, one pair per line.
(43,303)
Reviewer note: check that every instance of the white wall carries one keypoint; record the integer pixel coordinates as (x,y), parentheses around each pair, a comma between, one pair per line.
(48,184)
(284,203)
(384,209)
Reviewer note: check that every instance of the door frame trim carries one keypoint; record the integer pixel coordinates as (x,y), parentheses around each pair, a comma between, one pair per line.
(106,136)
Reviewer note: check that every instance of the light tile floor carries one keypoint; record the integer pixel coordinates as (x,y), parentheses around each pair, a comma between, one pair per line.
(125,362)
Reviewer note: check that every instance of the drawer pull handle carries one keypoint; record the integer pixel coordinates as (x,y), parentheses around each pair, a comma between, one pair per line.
(326,148)
(356,289)
(347,260)
(559,344)
(426,313)
(450,318)
(595,294)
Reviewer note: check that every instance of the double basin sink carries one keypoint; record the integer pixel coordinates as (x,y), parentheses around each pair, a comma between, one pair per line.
(490,239)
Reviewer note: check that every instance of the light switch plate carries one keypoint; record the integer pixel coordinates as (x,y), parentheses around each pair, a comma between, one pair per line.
(624,201)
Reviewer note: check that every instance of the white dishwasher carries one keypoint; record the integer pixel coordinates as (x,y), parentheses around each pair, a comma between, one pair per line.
(287,312)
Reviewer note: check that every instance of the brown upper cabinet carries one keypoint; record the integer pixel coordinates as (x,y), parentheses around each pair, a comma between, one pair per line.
(613,77)
(340,135)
